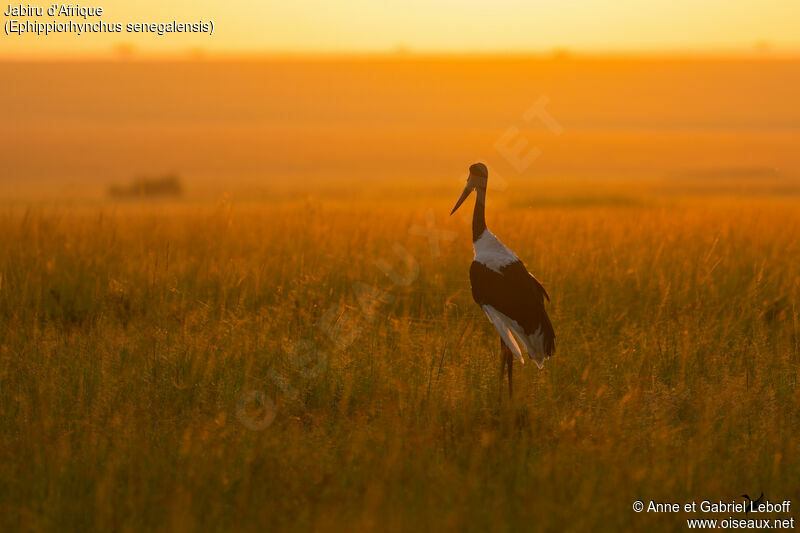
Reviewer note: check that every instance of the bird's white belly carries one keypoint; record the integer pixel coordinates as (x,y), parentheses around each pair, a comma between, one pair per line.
(491,252)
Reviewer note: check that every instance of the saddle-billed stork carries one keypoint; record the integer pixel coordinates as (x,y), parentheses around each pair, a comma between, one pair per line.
(511,297)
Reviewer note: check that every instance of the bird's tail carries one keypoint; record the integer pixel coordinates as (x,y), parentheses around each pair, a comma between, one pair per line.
(541,344)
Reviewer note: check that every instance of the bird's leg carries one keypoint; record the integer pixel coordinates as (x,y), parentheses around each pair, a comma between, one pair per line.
(506,358)
(510,359)
(503,361)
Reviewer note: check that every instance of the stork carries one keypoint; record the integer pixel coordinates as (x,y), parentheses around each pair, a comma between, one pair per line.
(511,297)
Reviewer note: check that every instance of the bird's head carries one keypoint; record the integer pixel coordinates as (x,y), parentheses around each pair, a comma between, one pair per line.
(477,179)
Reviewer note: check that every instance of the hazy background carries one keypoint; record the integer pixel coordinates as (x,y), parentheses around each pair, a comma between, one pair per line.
(76,127)
(327,93)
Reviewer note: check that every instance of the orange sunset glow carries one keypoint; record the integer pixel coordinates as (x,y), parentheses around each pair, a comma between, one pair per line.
(323,26)
(384,266)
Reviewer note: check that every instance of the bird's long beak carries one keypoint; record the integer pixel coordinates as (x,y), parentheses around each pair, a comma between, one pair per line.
(467,190)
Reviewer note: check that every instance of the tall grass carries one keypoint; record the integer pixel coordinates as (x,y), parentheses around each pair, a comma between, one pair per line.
(129,335)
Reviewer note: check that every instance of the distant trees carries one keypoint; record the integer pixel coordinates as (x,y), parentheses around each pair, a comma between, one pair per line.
(166,186)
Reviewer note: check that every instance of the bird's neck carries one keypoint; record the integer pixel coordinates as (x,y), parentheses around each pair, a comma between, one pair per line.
(478,215)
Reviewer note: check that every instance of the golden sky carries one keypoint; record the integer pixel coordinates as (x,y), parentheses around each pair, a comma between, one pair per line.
(450,26)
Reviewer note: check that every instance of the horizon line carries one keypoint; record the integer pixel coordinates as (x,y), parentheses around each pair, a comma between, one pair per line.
(127,52)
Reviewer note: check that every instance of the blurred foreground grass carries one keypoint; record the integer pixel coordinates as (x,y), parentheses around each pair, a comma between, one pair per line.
(130,336)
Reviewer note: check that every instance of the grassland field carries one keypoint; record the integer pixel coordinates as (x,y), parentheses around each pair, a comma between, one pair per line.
(133,337)
(285,348)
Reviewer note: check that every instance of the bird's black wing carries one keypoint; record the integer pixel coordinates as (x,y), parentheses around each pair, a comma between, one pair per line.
(517,294)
